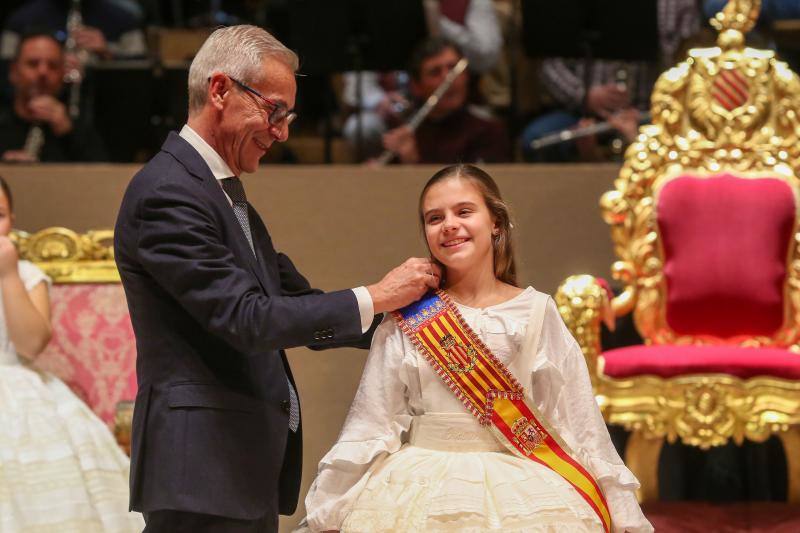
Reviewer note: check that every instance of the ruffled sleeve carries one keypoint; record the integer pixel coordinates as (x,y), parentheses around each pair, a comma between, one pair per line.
(373,429)
(566,398)
(31,275)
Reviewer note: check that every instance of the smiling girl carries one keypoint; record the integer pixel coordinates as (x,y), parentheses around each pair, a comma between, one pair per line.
(475,411)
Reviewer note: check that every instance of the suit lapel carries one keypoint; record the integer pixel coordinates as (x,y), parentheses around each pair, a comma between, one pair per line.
(195,165)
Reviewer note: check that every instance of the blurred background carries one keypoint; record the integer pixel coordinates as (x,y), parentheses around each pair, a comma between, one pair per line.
(536,67)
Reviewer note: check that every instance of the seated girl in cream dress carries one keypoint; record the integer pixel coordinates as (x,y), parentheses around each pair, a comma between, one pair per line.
(60,468)
(414,456)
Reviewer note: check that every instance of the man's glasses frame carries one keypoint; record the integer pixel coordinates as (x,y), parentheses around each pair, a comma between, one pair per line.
(279,112)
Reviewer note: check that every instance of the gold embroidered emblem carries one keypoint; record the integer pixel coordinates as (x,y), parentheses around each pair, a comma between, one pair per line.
(460,358)
(526,434)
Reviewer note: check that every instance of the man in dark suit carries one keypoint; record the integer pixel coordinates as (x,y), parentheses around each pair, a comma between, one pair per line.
(216,427)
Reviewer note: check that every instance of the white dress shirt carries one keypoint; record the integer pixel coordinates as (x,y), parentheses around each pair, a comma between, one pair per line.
(220,170)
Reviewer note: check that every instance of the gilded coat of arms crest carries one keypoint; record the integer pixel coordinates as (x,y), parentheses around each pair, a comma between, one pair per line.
(461,358)
(730,89)
(527,434)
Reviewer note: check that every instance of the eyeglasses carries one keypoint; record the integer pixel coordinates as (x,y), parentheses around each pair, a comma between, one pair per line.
(279,112)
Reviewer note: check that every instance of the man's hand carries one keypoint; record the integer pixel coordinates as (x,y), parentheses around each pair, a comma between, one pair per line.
(405,284)
(72,64)
(46,108)
(604,99)
(93,40)
(588,149)
(626,121)
(18,156)
(402,142)
(388,107)
(8,257)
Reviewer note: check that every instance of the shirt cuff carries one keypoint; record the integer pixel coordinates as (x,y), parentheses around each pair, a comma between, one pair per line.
(365,307)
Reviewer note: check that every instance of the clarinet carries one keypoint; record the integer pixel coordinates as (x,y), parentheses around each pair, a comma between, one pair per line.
(417,118)
(34,142)
(74,77)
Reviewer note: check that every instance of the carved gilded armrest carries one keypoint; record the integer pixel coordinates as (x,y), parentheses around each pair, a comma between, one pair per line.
(584,302)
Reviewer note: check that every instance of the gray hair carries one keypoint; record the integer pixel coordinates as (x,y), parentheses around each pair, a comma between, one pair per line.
(239,52)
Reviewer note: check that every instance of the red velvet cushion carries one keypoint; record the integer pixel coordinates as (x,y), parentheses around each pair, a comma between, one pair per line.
(669,361)
(703,517)
(726,245)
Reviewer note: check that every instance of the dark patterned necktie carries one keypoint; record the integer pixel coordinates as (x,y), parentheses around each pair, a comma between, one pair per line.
(235,190)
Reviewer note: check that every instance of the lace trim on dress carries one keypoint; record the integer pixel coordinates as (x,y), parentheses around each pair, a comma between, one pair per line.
(60,469)
(417,489)
(556,523)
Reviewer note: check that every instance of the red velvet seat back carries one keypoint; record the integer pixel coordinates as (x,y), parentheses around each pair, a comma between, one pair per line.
(93,347)
(726,242)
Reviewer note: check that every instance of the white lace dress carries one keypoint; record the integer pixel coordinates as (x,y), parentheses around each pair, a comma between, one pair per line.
(410,458)
(60,468)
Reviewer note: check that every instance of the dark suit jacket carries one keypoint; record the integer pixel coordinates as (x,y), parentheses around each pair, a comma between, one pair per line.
(210,424)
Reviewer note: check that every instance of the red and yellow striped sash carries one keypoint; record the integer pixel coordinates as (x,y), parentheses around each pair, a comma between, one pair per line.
(490,392)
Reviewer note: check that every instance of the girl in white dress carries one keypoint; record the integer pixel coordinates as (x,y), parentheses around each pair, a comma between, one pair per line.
(60,468)
(411,458)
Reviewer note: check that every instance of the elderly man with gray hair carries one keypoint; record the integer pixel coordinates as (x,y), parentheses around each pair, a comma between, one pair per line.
(217,428)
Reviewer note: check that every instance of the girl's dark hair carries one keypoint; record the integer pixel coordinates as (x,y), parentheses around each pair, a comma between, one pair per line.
(7,191)
(32,33)
(505,267)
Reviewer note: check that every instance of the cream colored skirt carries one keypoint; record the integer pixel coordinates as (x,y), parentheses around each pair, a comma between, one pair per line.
(60,468)
(454,476)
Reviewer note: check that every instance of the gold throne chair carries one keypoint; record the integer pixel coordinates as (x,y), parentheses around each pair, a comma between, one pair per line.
(704,221)
(93,348)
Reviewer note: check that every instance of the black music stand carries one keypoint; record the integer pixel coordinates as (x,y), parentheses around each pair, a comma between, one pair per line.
(127,127)
(350,35)
(605,29)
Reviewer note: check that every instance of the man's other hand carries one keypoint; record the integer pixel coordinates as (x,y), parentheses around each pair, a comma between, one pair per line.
(402,142)
(604,99)
(46,108)
(93,40)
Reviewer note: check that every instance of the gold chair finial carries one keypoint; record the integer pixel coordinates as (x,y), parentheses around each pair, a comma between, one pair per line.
(736,19)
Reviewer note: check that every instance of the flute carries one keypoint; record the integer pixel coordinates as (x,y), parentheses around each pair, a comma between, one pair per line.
(576,133)
(417,118)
